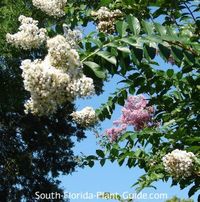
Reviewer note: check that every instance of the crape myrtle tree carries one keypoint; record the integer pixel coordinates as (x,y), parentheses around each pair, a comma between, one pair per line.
(34,149)
(154,47)
(160,102)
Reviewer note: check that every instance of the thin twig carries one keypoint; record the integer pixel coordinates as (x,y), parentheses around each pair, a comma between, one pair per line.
(182,46)
(190,12)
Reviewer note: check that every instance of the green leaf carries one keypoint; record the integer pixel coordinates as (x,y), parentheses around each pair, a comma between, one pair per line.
(138,153)
(194,149)
(171,33)
(100,153)
(133,136)
(120,101)
(193,190)
(132,89)
(131,162)
(95,41)
(124,94)
(105,2)
(190,58)
(177,53)
(164,52)
(107,56)
(121,27)
(137,55)
(148,27)
(114,152)
(156,176)
(170,73)
(134,76)
(112,44)
(121,159)
(192,140)
(98,71)
(179,75)
(91,164)
(139,81)
(134,24)
(130,41)
(91,157)
(149,52)
(102,162)
(160,29)
(125,136)
(114,52)
(124,49)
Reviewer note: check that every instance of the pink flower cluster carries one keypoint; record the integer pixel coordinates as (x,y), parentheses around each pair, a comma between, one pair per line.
(135,113)
(114,132)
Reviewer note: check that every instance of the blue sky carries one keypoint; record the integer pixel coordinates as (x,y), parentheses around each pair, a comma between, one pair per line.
(110,178)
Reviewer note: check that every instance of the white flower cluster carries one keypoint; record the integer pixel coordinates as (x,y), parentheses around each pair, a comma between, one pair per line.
(86,117)
(61,54)
(29,35)
(179,163)
(106,19)
(72,36)
(46,85)
(51,7)
(56,79)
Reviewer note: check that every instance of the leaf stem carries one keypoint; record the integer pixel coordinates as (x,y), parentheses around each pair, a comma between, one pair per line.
(182,46)
(98,49)
(91,54)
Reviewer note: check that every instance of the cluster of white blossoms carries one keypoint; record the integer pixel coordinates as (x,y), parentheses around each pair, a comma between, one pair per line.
(86,117)
(56,79)
(62,55)
(179,163)
(72,36)
(106,19)
(51,7)
(46,85)
(29,35)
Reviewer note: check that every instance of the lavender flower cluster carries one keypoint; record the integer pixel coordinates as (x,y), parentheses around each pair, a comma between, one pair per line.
(135,113)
